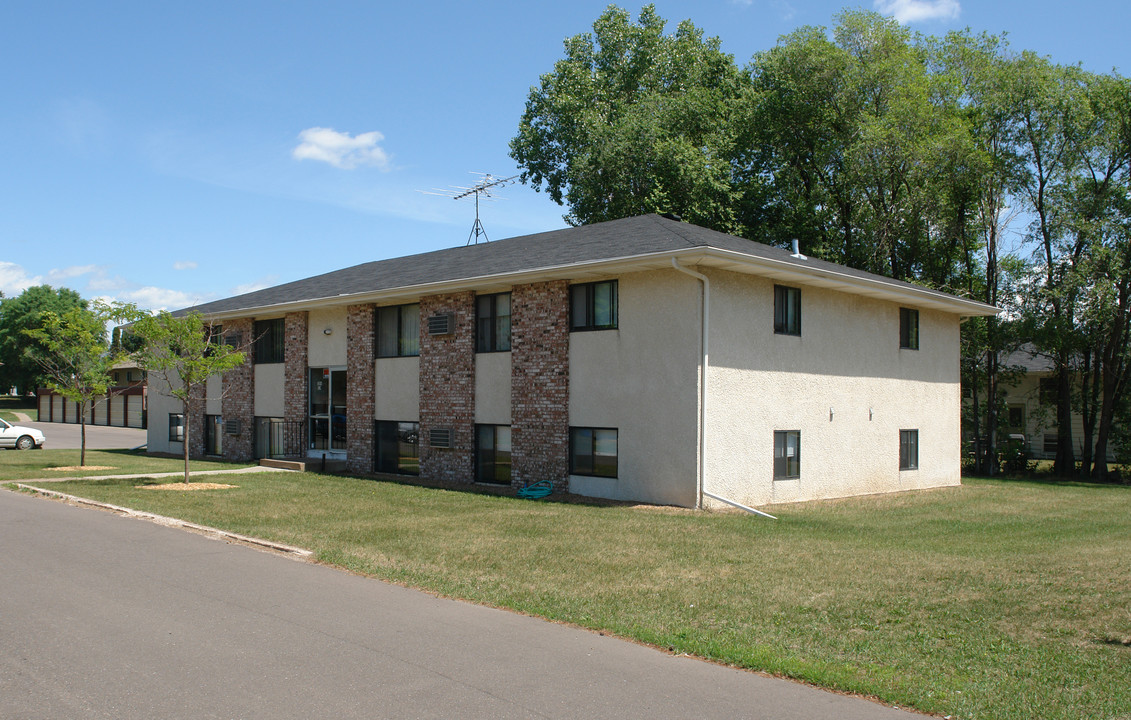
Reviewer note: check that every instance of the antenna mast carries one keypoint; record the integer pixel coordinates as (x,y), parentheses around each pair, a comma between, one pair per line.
(483,187)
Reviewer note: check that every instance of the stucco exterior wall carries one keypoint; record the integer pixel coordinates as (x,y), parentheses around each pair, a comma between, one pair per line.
(269,389)
(327,350)
(397,389)
(493,388)
(213,403)
(160,407)
(845,384)
(642,379)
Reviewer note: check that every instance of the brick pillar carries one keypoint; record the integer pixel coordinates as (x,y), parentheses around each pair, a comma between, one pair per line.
(295,372)
(447,388)
(540,383)
(239,395)
(360,392)
(195,427)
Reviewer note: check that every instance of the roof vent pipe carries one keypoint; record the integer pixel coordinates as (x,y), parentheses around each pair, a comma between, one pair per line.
(797,250)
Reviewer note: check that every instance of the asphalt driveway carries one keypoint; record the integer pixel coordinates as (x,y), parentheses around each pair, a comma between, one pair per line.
(98,437)
(104,616)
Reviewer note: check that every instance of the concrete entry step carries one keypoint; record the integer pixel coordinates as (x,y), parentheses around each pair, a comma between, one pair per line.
(299,465)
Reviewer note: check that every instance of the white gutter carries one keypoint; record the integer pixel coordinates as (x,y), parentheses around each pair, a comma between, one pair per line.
(704,365)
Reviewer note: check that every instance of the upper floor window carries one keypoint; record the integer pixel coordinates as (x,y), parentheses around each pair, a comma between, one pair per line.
(493,322)
(593,306)
(269,336)
(908,329)
(398,330)
(787,310)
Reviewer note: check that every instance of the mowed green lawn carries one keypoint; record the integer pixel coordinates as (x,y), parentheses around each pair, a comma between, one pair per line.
(26,464)
(994,600)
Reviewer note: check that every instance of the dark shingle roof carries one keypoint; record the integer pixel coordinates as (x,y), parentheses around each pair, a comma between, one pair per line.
(626,238)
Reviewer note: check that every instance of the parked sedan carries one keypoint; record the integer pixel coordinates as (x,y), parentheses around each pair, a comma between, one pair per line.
(20,437)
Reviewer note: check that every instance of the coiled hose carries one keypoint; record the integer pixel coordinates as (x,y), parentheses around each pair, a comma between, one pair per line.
(535,491)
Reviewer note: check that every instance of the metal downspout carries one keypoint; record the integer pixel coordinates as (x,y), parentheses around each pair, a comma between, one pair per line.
(704,365)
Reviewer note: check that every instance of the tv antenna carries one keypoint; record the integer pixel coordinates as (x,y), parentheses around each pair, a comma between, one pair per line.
(481,188)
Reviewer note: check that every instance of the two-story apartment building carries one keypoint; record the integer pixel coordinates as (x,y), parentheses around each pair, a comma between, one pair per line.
(639,359)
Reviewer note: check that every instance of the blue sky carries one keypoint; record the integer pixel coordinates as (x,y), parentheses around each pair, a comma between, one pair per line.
(170,154)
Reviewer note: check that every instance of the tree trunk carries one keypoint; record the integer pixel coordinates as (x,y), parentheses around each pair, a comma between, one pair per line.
(1065,463)
(188,430)
(82,430)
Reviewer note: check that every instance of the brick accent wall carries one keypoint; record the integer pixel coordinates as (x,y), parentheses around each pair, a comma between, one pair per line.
(360,392)
(195,428)
(295,371)
(540,383)
(239,395)
(447,388)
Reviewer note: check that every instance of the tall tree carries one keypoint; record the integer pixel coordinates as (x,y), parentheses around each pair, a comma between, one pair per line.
(633,121)
(72,353)
(182,352)
(25,312)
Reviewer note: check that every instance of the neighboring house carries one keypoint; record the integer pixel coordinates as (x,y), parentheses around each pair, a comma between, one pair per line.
(577,356)
(1030,406)
(123,406)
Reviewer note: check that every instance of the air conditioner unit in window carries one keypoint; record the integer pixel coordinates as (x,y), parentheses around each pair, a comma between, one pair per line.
(442,324)
(440,437)
(231,427)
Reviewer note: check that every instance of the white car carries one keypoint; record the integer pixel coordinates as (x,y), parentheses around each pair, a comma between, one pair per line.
(20,437)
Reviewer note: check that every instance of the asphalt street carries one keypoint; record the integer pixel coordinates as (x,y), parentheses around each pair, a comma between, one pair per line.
(98,437)
(103,616)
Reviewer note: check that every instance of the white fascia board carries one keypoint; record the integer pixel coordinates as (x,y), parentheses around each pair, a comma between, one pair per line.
(739,262)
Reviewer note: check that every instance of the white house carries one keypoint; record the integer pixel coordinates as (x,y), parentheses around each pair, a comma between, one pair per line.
(640,359)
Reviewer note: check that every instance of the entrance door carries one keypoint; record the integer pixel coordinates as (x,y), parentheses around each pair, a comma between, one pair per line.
(328,409)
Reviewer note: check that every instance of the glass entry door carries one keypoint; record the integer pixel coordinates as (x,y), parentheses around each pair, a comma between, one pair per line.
(328,409)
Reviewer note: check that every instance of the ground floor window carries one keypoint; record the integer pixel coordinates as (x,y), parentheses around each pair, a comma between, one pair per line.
(176,427)
(213,435)
(397,447)
(787,454)
(593,451)
(908,449)
(493,454)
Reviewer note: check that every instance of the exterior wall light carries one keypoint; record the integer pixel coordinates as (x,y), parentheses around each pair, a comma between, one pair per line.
(328,331)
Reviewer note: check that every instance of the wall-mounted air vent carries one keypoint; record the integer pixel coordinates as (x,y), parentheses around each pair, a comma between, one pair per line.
(442,324)
(440,437)
(231,427)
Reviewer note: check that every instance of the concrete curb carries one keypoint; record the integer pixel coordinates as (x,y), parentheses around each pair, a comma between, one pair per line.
(173,522)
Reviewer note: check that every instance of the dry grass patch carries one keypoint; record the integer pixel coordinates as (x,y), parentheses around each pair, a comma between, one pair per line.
(72,468)
(187,487)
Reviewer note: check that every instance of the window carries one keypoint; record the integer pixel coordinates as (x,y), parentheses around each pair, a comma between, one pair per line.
(213,435)
(787,310)
(398,330)
(398,447)
(493,454)
(908,449)
(1049,443)
(117,377)
(1048,391)
(1017,417)
(593,451)
(593,306)
(787,454)
(908,329)
(493,323)
(176,427)
(269,335)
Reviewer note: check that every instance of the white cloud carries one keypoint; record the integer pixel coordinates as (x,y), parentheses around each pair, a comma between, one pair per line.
(263,282)
(341,150)
(184,265)
(57,275)
(155,298)
(14,279)
(909,11)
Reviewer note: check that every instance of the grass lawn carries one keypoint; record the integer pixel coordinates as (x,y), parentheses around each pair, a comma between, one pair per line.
(26,464)
(994,600)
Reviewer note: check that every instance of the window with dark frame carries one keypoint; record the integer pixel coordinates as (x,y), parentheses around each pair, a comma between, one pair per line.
(787,310)
(493,323)
(493,454)
(398,330)
(269,341)
(593,306)
(176,427)
(213,435)
(593,451)
(908,329)
(908,449)
(787,454)
(1047,391)
(397,447)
